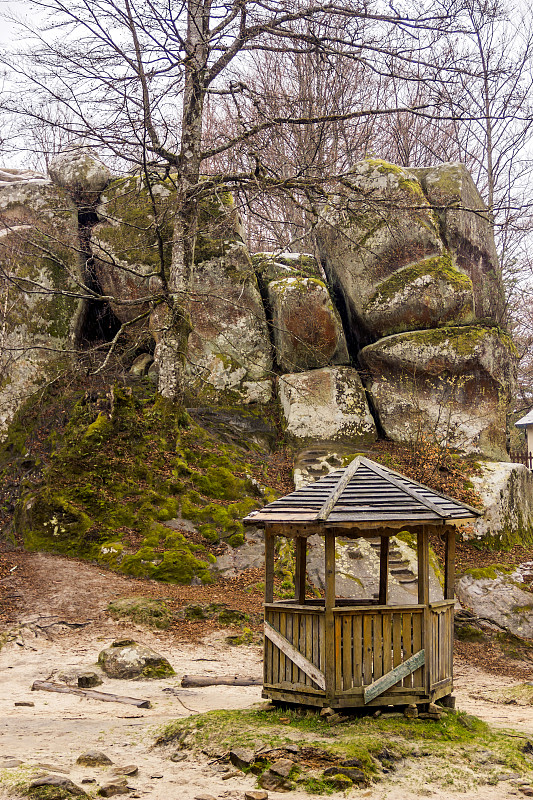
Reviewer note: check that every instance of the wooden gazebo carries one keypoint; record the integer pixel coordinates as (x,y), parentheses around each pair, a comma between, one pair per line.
(345,652)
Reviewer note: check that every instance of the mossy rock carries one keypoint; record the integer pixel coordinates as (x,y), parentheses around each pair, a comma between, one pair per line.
(126,660)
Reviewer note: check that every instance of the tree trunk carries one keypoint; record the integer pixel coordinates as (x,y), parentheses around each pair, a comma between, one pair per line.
(171,353)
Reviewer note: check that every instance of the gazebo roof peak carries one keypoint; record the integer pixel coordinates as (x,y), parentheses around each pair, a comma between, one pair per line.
(363,494)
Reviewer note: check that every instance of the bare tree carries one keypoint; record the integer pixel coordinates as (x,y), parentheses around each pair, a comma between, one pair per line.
(137,78)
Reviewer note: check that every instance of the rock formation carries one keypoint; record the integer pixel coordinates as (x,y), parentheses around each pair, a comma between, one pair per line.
(398,331)
(40,278)
(412,254)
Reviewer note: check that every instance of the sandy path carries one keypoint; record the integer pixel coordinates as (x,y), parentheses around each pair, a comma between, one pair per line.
(59,727)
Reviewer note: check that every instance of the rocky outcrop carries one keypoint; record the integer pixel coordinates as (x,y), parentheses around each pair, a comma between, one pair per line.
(427,294)
(276,266)
(506,491)
(132,242)
(327,403)
(307,327)
(369,232)
(450,383)
(40,274)
(499,600)
(467,231)
(229,347)
(410,249)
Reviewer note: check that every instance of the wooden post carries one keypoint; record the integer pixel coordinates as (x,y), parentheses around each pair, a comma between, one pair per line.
(299,574)
(329,654)
(269,565)
(449,590)
(384,571)
(449,565)
(423,598)
(423,566)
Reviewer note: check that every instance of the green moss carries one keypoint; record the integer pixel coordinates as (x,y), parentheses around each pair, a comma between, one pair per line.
(113,478)
(146,215)
(463,339)
(365,738)
(406,183)
(438,267)
(53,793)
(162,670)
(490,573)
(143,610)
(467,633)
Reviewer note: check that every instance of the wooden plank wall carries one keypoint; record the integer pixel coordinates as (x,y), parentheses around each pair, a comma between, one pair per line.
(305,631)
(441,642)
(368,644)
(371,643)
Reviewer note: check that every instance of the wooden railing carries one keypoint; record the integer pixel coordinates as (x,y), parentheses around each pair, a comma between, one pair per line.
(522,457)
(369,642)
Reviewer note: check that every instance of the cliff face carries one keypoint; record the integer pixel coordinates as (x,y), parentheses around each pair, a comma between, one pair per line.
(395,332)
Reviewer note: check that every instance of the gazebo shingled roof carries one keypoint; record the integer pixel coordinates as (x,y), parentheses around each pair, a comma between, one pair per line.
(363,495)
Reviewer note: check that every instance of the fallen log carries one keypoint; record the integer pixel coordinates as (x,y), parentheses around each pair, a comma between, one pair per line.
(223,680)
(48,686)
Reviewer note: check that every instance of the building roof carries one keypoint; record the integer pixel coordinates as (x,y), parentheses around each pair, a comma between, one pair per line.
(525,421)
(363,494)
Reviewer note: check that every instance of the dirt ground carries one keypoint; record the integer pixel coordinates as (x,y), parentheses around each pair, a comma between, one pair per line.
(53,619)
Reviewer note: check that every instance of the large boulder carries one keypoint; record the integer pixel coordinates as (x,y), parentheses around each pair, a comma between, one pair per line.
(506,492)
(41,274)
(450,383)
(380,223)
(428,294)
(229,347)
(498,599)
(132,242)
(80,173)
(126,659)
(307,327)
(467,231)
(327,403)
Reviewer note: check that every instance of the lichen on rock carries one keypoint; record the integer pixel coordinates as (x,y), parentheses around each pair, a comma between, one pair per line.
(379,223)
(429,294)
(40,310)
(452,384)
(307,327)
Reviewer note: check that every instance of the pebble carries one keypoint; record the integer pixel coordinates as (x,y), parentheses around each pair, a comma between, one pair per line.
(93,758)
(282,767)
(114,787)
(252,794)
(204,797)
(129,769)
(177,757)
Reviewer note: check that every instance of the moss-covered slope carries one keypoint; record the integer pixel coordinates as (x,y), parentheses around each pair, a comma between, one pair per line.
(125,464)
